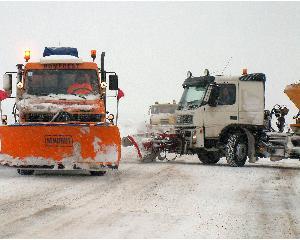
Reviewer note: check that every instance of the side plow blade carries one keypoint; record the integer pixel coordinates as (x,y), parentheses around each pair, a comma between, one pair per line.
(63,146)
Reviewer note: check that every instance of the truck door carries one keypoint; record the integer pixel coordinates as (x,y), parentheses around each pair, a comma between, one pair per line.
(224,114)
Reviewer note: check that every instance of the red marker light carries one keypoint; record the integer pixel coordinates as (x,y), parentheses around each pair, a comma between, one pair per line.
(245,72)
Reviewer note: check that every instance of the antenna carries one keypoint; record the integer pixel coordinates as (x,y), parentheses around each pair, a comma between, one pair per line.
(226,65)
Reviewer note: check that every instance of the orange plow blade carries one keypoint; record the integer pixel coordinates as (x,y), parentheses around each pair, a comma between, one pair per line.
(293,92)
(67,146)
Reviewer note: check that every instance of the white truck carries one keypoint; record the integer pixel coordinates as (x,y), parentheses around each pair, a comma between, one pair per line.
(225,116)
(162,117)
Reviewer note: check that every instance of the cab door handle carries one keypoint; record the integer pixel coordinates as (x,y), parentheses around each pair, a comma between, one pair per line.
(233,117)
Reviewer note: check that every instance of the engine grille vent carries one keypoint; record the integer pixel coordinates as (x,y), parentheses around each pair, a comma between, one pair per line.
(62,117)
(164,121)
(184,119)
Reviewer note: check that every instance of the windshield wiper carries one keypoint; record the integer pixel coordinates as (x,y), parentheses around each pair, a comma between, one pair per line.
(79,95)
(41,94)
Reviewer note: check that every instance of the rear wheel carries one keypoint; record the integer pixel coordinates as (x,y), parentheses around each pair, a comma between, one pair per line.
(25,172)
(97,173)
(236,150)
(209,157)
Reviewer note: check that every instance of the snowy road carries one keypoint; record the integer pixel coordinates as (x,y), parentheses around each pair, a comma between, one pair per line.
(181,199)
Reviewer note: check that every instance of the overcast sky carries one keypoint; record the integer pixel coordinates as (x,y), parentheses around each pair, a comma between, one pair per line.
(151,45)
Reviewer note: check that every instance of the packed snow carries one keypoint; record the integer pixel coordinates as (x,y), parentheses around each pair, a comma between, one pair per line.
(170,199)
(60,59)
(40,104)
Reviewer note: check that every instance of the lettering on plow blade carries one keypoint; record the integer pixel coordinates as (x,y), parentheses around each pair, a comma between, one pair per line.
(58,141)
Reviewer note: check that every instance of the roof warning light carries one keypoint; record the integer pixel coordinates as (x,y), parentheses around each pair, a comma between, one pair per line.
(93,54)
(27,55)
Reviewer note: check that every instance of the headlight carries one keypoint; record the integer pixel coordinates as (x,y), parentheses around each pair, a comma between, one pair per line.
(194,137)
(111,117)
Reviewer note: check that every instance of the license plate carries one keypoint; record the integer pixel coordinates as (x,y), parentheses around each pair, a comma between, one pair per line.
(58,141)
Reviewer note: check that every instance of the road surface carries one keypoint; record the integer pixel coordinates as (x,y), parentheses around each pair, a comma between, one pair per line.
(182,199)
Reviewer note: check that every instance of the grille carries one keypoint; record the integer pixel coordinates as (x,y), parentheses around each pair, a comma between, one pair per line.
(62,117)
(164,121)
(188,133)
(184,119)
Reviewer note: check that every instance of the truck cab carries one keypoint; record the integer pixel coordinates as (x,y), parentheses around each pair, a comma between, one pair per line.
(60,88)
(60,115)
(211,107)
(162,117)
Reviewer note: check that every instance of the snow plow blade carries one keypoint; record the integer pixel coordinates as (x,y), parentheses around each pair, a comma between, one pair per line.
(60,146)
(143,145)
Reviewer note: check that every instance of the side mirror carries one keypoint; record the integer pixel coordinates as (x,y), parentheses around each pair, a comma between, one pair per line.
(7,82)
(113,82)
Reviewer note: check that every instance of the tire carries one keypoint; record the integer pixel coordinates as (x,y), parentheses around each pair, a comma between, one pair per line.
(150,157)
(25,172)
(97,173)
(161,157)
(236,150)
(209,158)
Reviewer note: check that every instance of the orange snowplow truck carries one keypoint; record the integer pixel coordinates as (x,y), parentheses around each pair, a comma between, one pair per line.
(61,121)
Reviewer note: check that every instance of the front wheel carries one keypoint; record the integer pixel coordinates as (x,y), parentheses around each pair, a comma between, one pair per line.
(209,158)
(236,150)
(149,157)
(25,172)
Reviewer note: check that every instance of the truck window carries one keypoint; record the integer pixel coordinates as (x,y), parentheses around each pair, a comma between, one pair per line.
(45,82)
(227,94)
(168,108)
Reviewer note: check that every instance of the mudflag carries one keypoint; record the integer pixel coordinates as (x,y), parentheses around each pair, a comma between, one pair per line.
(120,94)
(3,95)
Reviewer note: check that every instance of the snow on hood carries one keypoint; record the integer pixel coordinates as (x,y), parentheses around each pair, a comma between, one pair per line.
(40,104)
(53,96)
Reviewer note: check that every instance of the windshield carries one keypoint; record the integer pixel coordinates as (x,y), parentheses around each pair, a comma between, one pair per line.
(156,109)
(76,82)
(192,97)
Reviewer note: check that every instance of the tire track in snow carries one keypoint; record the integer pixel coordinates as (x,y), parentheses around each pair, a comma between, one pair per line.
(77,208)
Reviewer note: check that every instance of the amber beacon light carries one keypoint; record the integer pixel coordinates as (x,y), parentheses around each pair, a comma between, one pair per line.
(27,55)
(93,54)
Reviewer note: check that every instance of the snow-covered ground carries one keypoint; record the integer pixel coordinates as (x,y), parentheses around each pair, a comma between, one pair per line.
(182,199)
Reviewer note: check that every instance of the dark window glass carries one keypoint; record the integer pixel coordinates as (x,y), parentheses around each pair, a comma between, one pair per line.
(227,94)
(45,82)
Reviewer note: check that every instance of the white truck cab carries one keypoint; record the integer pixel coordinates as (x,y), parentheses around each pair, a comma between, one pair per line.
(162,117)
(213,106)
